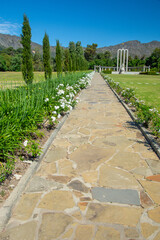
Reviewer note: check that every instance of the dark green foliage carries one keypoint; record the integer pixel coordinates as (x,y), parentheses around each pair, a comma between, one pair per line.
(27,66)
(58,58)
(154,60)
(3,66)
(67,61)
(72,50)
(90,52)
(46,57)
(16,63)
(37,61)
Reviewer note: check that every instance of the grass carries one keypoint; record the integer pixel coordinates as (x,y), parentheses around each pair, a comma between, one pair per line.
(14,79)
(147,87)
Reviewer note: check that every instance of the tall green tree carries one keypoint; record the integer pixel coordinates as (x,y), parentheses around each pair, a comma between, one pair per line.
(90,52)
(58,58)
(72,51)
(66,60)
(27,66)
(79,56)
(47,57)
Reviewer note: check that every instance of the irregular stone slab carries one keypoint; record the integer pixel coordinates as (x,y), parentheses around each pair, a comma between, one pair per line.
(145,200)
(117,178)
(155,178)
(131,233)
(66,168)
(143,171)
(107,233)
(154,214)
(152,189)
(46,169)
(39,184)
(26,205)
(60,179)
(55,154)
(121,142)
(90,177)
(79,186)
(148,229)
(53,225)
(154,165)
(101,213)
(68,234)
(57,200)
(125,196)
(125,160)
(84,232)
(88,157)
(84,131)
(23,231)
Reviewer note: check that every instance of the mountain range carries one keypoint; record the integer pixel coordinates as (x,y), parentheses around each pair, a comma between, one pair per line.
(135,47)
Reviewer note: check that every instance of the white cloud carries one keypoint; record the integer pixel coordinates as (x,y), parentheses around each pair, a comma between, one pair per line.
(9,28)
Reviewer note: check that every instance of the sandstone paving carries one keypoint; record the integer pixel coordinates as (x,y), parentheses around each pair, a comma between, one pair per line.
(98,149)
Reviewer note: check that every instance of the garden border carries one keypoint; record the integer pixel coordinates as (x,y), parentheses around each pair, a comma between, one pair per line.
(146,134)
(5,210)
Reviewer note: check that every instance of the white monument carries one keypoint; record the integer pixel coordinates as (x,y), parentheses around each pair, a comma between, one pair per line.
(122,60)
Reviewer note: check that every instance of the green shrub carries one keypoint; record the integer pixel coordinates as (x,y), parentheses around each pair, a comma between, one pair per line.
(107,71)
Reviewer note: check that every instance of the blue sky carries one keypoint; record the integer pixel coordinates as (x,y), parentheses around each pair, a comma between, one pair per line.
(103,22)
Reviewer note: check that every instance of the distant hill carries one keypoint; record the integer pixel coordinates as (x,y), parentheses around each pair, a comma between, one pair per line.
(134,47)
(7,40)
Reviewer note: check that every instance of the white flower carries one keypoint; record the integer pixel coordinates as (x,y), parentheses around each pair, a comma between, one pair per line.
(53,118)
(60,92)
(56,107)
(25,143)
(54,112)
(46,100)
(59,116)
(70,107)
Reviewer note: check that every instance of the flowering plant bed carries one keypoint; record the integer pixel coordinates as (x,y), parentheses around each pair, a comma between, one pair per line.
(26,111)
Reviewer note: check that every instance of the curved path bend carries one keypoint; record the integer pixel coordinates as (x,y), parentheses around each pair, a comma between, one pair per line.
(99,179)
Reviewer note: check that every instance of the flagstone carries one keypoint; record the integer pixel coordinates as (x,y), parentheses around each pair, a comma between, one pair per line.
(55,154)
(121,142)
(46,169)
(101,213)
(154,214)
(78,185)
(59,178)
(117,178)
(23,231)
(90,176)
(84,232)
(84,131)
(65,167)
(88,157)
(145,200)
(131,233)
(26,205)
(148,229)
(53,225)
(38,184)
(77,215)
(142,171)
(155,178)
(107,233)
(125,160)
(152,189)
(154,165)
(57,200)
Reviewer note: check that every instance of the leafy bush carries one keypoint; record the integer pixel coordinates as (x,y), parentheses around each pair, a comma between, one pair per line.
(107,71)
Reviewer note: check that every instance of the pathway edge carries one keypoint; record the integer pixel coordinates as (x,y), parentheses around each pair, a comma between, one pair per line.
(5,210)
(146,134)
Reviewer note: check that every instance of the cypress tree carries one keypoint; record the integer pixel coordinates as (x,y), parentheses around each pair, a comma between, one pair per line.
(79,56)
(58,58)
(27,65)
(46,57)
(72,50)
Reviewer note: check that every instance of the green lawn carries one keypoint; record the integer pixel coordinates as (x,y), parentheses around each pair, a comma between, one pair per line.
(14,79)
(147,88)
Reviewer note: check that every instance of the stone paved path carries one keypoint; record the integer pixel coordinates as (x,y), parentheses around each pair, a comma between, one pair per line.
(95,181)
